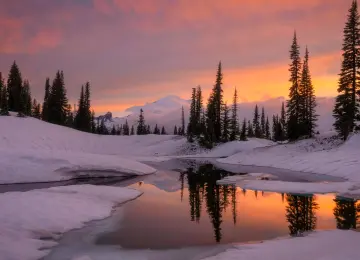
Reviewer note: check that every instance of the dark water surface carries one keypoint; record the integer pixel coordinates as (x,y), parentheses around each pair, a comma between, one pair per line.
(189,209)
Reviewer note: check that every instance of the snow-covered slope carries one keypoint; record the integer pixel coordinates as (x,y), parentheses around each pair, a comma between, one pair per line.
(33,150)
(167,112)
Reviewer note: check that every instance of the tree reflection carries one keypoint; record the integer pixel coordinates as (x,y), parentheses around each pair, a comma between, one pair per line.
(346,213)
(300,213)
(202,185)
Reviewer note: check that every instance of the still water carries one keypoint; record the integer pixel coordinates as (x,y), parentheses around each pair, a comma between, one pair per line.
(189,209)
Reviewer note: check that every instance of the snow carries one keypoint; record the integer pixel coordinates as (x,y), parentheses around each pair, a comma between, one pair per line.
(339,188)
(31,220)
(322,155)
(323,245)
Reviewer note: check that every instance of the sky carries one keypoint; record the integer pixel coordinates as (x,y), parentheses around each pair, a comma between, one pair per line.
(137,51)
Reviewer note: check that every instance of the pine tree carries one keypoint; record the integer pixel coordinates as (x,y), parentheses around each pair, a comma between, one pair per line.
(113,130)
(307,115)
(267,129)
(27,98)
(293,104)
(93,125)
(234,118)
(22,102)
(118,130)
(36,109)
(214,109)
(256,123)
(175,130)
(163,132)
(274,128)
(87,108)
(156,130)
(45,109)
(58,102)
(243,131)
(263,123)
(283,121)
(250,130)
(4,108)
(132,132)
(198,111)
(346,110)
(148,131)
(226,123)
(192,120)
(141,128)
(14,86)
(182,121)
(126,129)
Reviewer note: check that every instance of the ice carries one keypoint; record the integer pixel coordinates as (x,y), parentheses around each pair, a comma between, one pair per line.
(323,245)
(31,220)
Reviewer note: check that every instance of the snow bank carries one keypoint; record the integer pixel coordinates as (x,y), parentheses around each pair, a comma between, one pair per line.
(231,148)
(324,245)
(314,156)
(28,220)
(339,188)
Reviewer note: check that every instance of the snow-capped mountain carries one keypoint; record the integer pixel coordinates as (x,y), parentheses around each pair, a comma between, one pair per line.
(167,112)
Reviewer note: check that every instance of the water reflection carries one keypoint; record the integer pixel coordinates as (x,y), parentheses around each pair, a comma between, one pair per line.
(346,213)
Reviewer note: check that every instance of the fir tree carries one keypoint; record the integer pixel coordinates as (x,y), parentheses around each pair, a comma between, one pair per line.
(45,109)
(58,102)
(14,86)
(27,98)
(256,123)
(192,120)
(215,105)
(307,114)
(126,129)
(93,125)
(234,118)
(175,130)
(36,109)
(226,124)
(148,131)
(182,121)
(293,104)
(274,128)
(132,132)
(198,111)
(22,102)
(141,128)
(4,108)
(243,131)
(156,130)
(113,130)
(267,129)
(118,130)
(346,110)
(250,130)
(263,123)
(283,121)
(87,108)
(163,131)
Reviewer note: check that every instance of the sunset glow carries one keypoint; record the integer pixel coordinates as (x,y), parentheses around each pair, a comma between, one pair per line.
(134,52)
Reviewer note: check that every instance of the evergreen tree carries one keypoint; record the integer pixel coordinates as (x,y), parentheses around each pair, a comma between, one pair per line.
(283,121)
(163,132)
(192,120)
(126,129)
(132,132)
(27,98)
(243,131)
(156,130)
(22,102)
(14,86)
(275,125)
(69,116)
(182,121)
(234,118)
(346,110)
(141,128)
(36,109)
(267,129)
(226,124)
(293,104)
(215,105)
(118,130)
(45,109)
(113,130)
(148,131)
(250,130)
(198,111)
(87,108)
(263,123)
(175,130)
(256,123)
(93,125)
(58,102)
(4,108)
